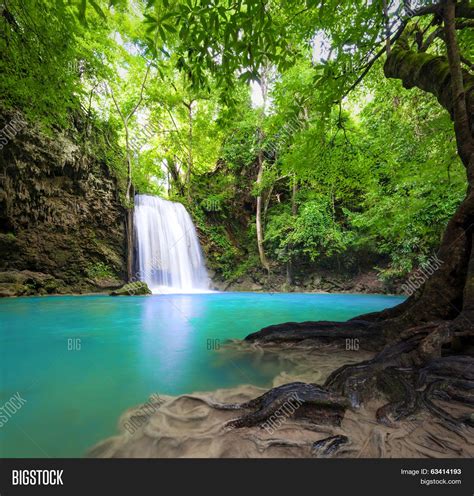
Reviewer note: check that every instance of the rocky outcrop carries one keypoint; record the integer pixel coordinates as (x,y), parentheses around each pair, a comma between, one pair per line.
(61,221)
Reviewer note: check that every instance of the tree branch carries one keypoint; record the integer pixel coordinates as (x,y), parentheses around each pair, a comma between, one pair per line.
(428,72)
(462,10)
(141,93)
(435,34)
(467,62)
(111,91)
(469,23)
(373,60)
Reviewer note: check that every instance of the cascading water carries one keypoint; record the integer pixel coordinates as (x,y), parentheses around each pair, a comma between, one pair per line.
(169,256)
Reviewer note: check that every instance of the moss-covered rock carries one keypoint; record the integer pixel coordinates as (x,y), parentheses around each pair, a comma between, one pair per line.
(138,288)
(27,282)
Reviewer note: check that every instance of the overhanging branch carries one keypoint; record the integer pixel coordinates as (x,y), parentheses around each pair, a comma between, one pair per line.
(374,59)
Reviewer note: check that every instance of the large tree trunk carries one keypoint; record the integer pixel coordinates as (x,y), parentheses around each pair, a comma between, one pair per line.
(443,296)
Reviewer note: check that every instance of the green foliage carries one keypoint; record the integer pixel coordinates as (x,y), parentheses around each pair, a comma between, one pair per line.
(46,53)
(373,173)
(224,252)
(148,175)
(99,270)
(415,184)
(311,234)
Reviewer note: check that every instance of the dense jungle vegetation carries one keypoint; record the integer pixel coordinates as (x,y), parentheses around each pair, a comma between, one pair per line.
(284,158)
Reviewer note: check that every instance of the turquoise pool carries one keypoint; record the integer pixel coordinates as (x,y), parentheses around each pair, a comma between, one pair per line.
(80,361)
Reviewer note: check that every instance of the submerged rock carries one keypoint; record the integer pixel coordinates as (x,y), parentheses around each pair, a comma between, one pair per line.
(132,289)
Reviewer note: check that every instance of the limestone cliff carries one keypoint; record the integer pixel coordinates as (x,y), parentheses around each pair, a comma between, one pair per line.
(61,222)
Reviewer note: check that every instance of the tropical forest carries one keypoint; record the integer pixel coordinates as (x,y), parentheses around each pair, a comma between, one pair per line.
(258,210)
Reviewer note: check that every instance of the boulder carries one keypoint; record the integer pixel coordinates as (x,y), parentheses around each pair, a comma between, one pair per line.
(138,288)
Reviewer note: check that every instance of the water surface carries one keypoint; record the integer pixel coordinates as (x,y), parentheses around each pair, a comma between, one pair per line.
(80,361)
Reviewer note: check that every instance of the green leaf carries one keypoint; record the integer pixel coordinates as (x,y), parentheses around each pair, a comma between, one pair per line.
(162,33)
(169,28)
(82,12)
(97,9)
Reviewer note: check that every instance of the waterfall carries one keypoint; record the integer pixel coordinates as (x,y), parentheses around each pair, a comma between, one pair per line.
(169,256)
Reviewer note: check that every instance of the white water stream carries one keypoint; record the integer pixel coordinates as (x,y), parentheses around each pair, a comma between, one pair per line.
(169,255)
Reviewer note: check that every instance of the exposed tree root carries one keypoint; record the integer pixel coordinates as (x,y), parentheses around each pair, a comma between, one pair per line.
(243,421)
(313,333)
(329,446)
(409,376)
(397,384)
(308,402)
(413,398)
